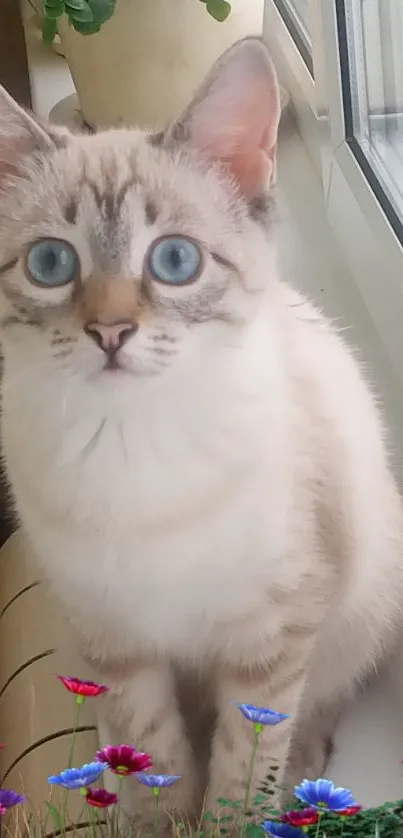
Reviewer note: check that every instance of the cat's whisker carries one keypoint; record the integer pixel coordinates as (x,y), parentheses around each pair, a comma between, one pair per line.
(92,443)
(159,350)
(164,337)
(232,345)
(123,442)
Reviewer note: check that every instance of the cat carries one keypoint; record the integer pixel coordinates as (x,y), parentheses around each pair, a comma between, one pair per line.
(193,450)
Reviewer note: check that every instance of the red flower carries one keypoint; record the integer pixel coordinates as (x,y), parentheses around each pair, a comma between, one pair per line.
(87,689)
(123,759)
(352,810)
(305,817)
(100,798)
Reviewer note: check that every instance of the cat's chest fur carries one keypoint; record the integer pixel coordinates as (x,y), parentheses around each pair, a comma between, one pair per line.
(154,535)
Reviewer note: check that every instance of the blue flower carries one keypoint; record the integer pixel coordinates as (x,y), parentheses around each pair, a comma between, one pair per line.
(323,794)
(261,715)
(282,830)
(158,781)
(78,778)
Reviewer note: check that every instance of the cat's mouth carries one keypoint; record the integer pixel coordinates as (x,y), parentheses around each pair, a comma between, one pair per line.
(112,368)
(116,369)
(112,365)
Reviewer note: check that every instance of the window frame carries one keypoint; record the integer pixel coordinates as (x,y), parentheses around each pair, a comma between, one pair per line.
(296,33)
(369,235)
(348,122)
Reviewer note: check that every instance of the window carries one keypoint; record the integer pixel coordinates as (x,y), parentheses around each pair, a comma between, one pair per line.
(296,14)
(371,44)
(349,113)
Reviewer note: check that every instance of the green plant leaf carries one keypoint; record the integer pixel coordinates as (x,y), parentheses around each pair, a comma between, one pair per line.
(219,9)
(260,798)
(86,28)
(210,818)
(231,804)
(75,4)
(49,30)
(84,15)
(53,12)
(253,831)
(52,4)
(55,815)
(102,9)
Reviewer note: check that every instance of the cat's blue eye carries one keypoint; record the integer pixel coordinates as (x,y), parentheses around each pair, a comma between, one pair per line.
(51,263)
(175,260)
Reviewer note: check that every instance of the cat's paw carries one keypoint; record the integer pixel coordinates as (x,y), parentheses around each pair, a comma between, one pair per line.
(311,750)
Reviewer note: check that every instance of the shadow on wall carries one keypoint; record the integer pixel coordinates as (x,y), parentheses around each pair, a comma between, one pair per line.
(13,59)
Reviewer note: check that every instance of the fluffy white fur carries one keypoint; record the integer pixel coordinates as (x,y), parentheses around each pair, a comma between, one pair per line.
(231,514)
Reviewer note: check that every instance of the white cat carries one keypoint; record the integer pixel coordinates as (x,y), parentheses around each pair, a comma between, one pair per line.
(192,449)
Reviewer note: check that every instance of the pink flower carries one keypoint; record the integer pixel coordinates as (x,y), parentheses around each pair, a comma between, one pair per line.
(3,810)
(86,689)
(304,817)
(123,759)
(100,798)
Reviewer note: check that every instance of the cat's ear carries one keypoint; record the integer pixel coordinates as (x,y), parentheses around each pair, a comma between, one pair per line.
(234,117)
(21,135)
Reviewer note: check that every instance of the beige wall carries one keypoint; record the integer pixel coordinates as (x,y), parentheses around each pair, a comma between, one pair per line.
(36,712)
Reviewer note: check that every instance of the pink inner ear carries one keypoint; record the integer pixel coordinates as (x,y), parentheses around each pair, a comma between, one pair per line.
(238,125)
(20,136)
(251,172)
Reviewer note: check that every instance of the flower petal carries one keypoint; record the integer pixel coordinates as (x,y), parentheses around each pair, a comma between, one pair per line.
(76,778)
(124,759)
(87,689)
(301,817)
(323,794)
(261,715)
(158,780)
(101,798)
(351,810)
(282,830)
(9,798)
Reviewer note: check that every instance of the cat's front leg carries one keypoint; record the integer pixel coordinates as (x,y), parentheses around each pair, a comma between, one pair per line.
(140,709)
(278,686)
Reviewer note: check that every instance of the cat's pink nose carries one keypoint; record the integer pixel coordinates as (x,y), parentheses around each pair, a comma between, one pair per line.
(112,337)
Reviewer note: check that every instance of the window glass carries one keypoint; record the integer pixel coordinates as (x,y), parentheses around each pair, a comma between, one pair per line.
(371,36)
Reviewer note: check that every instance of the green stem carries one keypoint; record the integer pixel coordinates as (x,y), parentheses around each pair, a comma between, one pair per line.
(79,703)
(257,729)
(117,809)
(156,793)
(318,825)
(92,821)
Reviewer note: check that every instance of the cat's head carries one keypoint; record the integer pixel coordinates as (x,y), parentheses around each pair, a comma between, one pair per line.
(121,253)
